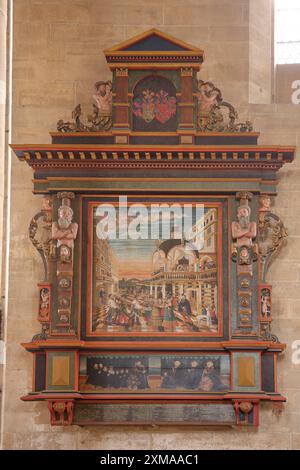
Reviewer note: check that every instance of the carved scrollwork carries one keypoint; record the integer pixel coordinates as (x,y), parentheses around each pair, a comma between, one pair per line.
(216,115)
(266,334)
(272,236)
(43,335)
(101,117)
(41,238)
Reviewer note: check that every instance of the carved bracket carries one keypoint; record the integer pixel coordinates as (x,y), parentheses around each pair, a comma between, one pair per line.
(246,412)
(61,412)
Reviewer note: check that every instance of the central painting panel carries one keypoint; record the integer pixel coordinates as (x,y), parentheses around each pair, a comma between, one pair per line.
(154,268)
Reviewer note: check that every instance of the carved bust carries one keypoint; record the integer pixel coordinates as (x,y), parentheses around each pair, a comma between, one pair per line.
(64,230)
(244,231)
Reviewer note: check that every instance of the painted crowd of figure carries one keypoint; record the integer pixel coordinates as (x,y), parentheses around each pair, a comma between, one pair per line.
(176,374)
(108,376)
(139,311)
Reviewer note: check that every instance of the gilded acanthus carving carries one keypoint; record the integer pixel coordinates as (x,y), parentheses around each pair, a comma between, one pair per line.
(271,234)
(217,115)
(101,117)
(271,237)
(40,236)
(266,334)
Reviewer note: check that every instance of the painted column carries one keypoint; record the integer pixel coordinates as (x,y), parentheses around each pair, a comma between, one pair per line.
(121,106)
(186,104)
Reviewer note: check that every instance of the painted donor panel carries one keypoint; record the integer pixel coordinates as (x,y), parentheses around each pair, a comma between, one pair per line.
(154,373)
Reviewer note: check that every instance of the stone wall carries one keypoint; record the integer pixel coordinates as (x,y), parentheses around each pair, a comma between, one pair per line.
(3,68)
(57,57)
(260,51)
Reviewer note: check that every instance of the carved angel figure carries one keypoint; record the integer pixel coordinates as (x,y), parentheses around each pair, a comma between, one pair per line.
(208,96)
(103,97)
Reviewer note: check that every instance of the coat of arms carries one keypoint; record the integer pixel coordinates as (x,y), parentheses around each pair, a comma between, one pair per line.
(150,105)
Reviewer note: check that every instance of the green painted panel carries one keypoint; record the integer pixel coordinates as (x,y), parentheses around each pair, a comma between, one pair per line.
(71,386)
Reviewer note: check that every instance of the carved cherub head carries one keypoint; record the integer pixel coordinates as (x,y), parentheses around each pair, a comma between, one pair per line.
(65,254)
(244,257)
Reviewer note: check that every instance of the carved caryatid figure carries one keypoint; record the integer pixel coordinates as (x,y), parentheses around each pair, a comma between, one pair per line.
(244,231)
(265,203)
(64,230)
(103,97)
(244,252)
(264,206)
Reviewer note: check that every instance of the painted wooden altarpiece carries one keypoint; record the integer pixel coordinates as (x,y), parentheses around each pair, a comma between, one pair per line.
(156,231)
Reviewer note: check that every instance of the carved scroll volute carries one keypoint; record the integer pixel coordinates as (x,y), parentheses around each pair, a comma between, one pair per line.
(272,236)
(244,253)
(64,233)
(215,114)
(40,237)
(40,233)
(101,117)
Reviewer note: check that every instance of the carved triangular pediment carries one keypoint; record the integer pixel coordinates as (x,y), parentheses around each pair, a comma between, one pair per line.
(153,40)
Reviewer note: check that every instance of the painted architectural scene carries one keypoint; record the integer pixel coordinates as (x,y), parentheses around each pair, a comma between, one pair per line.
(154,373)
(157,285)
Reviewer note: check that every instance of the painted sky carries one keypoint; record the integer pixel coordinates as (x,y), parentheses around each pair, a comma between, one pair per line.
(135,256)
